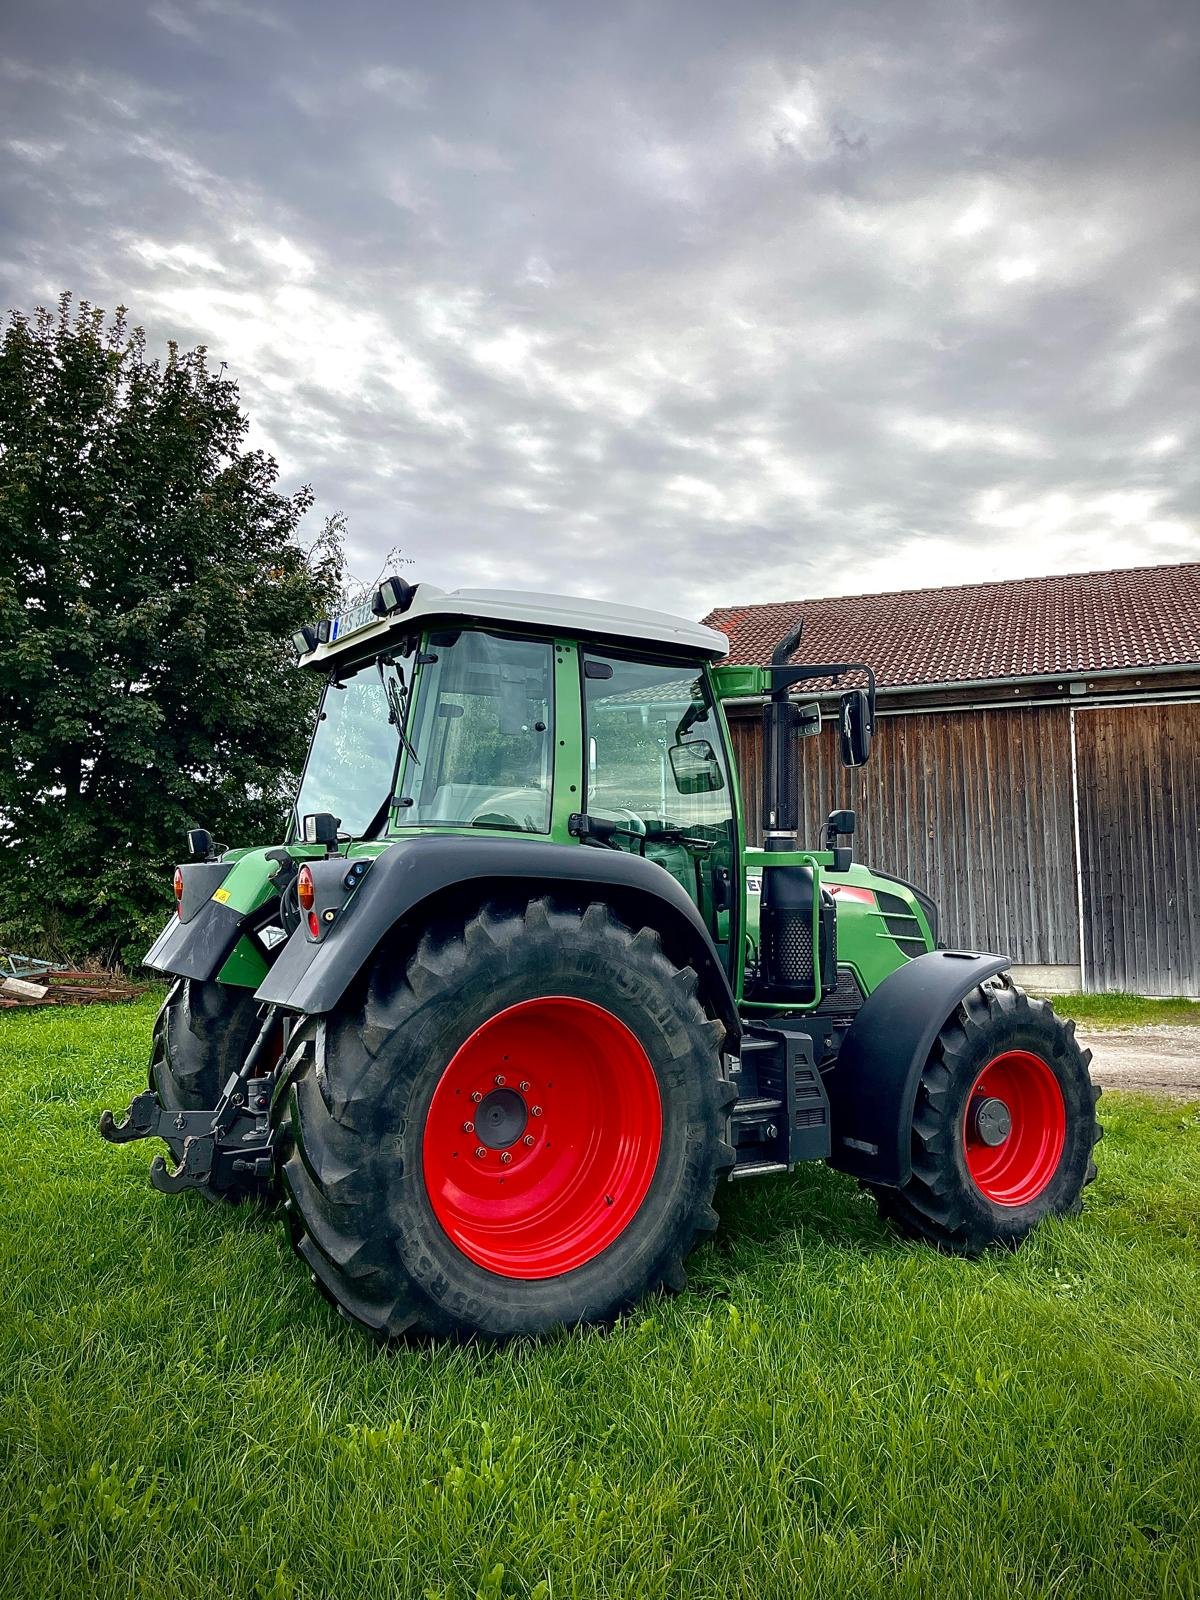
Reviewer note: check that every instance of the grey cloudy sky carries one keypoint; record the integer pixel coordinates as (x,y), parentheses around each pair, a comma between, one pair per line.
(682,303)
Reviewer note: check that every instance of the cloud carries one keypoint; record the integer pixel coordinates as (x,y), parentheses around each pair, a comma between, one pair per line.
(636,301)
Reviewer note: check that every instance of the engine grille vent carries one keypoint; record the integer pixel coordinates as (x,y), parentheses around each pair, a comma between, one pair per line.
(846,998)
(901,923)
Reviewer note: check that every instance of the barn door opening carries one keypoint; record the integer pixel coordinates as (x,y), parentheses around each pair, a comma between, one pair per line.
(1139,847)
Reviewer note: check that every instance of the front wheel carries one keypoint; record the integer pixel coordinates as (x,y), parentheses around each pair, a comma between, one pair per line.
(520,1126)
(1003,1127)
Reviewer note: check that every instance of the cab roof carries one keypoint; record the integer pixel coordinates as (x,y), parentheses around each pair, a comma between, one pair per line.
(564,616)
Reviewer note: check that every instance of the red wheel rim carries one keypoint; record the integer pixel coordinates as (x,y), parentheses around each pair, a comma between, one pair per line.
(542,1137)
(1012,1168)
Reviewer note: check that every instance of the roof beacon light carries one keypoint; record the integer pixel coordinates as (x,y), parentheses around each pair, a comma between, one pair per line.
(393,594)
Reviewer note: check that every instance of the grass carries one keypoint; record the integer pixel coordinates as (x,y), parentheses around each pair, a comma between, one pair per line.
(1125,1010)
(827,1411)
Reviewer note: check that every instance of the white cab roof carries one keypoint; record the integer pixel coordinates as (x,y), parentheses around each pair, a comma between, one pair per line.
(565,615)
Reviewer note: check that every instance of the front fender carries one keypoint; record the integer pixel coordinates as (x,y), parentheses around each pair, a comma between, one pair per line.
(311,976)
(873,1088)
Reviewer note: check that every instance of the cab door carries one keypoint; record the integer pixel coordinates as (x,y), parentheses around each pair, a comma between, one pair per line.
(657,767)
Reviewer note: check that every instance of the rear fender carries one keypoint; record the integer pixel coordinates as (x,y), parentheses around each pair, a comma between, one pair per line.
(404,883)
(873,1087)
(221,902)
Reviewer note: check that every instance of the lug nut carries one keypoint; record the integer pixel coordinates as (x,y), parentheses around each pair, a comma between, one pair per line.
(498,1080)
(468,1127)
(535,1111)
(506,1158)
(476,1098)
(480,1151)
(524,1085)
(527,1141)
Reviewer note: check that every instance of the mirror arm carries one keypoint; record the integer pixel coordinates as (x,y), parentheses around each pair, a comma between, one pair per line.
(783,677)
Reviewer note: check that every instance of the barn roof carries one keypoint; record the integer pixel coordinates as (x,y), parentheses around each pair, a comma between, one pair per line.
(1079,623)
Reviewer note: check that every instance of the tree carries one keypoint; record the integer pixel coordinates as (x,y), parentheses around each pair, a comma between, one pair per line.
(150,582)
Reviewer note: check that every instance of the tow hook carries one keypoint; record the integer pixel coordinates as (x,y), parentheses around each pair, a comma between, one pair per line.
(222,1147)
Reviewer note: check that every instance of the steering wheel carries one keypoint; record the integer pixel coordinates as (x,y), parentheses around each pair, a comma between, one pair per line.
(510,808)
(629,821)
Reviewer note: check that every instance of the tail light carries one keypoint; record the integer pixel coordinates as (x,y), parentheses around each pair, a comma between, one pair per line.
(179,891)
(306,893)
(314,925)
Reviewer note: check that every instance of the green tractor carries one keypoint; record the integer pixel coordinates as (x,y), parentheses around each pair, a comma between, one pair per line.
(516,994)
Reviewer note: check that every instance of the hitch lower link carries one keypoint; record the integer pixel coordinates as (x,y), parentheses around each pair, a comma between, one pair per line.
(230,1147)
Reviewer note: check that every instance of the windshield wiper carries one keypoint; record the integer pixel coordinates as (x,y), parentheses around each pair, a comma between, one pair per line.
(397,709)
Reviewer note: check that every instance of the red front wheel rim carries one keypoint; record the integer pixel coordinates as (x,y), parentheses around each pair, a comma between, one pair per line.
(542,1138)
(1014,1128)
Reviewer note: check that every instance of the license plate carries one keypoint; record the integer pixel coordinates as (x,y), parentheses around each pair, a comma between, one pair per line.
(351,621)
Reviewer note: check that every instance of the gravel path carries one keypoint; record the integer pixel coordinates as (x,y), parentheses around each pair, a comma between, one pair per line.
(1158,1059)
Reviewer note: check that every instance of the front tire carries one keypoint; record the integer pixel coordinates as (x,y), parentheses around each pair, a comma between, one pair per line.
(1003,1127)
(519,1128)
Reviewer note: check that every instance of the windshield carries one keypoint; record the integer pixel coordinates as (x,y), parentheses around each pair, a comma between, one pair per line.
(351,765)
(484,735)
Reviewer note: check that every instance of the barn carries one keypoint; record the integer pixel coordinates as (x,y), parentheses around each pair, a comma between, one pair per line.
(1036,763)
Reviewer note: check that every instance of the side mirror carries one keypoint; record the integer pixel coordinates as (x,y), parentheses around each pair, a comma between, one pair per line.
(854,727)
(695,767)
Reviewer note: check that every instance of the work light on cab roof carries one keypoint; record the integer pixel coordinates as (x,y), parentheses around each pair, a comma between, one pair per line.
(391,597)
(517,990)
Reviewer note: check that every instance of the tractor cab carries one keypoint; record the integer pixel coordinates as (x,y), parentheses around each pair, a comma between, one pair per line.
(474,713)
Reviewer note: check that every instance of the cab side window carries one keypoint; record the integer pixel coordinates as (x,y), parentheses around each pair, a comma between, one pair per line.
(657,766)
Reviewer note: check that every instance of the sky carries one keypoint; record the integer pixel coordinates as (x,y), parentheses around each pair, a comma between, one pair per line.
(680,304)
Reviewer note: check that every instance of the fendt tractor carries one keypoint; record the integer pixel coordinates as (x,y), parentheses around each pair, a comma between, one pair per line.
(516,994)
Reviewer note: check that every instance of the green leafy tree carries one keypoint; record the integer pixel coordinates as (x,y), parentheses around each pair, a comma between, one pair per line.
(150,581)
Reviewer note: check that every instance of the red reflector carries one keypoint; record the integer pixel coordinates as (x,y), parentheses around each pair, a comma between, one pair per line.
(305,891)
(179,891)
(314,924)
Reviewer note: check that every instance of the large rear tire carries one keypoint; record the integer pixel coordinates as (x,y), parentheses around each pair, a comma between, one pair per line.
(518,1128)
(1003,1128)
(202,1034)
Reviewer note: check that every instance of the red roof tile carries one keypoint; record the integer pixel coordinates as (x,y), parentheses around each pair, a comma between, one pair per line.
(1082,622)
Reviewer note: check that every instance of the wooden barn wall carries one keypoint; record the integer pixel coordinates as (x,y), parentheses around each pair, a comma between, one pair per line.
(1139,820)
(975,807)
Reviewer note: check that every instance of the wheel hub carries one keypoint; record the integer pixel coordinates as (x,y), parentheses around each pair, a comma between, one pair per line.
(501,1118)
(991,1121)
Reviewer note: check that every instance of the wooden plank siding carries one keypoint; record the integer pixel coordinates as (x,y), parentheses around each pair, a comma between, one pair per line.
(975,807)
(1139,804)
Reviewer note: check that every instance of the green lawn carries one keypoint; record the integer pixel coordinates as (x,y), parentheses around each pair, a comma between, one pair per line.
(827,1412)
(1125,1010)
